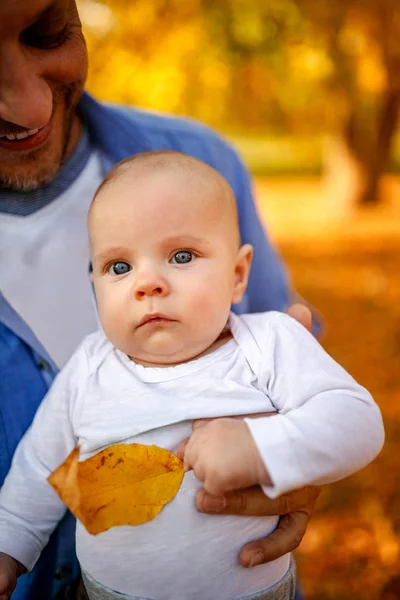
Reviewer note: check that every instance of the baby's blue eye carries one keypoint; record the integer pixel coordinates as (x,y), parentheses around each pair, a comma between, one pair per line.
(119,268)
(182,257)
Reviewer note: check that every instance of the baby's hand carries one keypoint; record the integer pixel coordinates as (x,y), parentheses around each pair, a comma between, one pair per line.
(10,569)
(224,457)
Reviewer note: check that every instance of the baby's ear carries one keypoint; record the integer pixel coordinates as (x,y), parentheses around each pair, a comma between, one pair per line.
(242,272)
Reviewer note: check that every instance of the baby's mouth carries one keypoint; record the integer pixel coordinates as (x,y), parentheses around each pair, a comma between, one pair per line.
(154,319)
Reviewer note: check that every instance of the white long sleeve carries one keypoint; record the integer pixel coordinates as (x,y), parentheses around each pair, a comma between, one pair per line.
(328,426)
(29,508)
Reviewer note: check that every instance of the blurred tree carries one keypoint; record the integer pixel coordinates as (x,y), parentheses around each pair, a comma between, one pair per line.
(359,80)
(280,66)
(368,98)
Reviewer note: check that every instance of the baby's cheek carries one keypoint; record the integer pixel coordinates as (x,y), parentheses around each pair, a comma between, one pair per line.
(114,324)
(213,309)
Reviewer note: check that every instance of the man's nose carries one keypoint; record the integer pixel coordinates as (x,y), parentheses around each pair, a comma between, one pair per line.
(25,97)
(150,284)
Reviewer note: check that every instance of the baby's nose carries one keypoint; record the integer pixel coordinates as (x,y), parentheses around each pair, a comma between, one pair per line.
(148,285)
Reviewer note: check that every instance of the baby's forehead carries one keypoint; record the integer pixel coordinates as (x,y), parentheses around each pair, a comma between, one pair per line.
(184,171)
(168,181)
(195,182)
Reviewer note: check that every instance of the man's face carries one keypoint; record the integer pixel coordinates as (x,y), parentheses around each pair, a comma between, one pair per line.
(43,64)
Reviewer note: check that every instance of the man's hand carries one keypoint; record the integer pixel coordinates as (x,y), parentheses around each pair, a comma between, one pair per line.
(223,456)
(295,509)
(302,314)
(10,569)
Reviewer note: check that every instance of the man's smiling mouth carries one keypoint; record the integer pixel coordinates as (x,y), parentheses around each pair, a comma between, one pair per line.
(25,141)
(21,135)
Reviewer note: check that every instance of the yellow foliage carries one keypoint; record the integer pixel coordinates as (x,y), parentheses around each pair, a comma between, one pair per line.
(215,60)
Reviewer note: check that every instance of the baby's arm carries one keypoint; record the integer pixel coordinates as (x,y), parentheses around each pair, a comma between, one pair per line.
(328,426)
(29,508)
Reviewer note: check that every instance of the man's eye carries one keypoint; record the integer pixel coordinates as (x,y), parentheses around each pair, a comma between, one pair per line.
(119,268)
(182,257)
(46,41)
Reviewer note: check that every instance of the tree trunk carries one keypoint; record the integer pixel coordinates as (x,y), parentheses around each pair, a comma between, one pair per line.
(377,159)
(357,159)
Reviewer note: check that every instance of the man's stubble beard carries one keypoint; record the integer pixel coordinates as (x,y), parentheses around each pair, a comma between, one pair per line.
(28,182)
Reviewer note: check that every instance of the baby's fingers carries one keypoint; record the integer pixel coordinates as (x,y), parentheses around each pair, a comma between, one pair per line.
(183,455)
(191,456)
(200,423)
(181,450)
(188,459)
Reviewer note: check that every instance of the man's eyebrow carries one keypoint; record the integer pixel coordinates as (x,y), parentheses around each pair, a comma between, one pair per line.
(44,11)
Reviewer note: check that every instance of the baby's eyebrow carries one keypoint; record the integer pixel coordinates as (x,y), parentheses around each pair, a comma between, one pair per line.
(185,240)
(105,255)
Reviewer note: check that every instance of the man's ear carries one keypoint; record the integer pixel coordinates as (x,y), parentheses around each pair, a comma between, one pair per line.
(242,272)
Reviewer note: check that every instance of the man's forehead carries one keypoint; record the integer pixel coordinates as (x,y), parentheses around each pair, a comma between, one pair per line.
(24,12)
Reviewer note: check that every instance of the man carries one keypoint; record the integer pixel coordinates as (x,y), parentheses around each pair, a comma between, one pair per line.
(56,144)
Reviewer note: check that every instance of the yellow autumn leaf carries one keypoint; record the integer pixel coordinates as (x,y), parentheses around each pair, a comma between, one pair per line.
(125,484)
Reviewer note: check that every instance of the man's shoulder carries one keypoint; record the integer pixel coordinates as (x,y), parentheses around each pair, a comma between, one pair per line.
(169,126)
(120,130)
(164,131)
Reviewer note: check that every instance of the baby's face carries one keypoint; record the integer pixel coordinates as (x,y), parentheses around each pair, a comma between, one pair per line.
(166,265)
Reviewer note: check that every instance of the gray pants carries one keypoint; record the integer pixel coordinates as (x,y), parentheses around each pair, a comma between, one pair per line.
(283,590)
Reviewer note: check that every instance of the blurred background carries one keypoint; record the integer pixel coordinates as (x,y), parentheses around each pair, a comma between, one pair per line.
(309,92)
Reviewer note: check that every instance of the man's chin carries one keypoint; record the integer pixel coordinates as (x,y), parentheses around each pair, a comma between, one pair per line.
(26,178)
(38,168)
(23,183)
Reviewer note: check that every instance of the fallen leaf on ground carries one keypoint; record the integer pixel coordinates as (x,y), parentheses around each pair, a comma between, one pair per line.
(125,484)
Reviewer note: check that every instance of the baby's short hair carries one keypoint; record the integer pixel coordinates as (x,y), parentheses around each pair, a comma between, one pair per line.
(158,160)
(152,162)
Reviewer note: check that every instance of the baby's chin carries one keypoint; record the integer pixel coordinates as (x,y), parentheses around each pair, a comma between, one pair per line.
(165,357)
(163,347)
(160,361)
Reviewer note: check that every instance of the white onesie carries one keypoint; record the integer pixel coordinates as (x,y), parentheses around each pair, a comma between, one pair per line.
(326,428)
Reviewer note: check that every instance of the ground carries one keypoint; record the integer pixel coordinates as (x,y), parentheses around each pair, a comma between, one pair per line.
(347,264)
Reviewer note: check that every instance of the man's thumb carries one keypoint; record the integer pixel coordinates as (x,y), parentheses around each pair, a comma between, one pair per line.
(302,314)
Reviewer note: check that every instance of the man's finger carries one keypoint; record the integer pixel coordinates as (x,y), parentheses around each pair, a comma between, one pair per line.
(286,538)
(252,502)
(244,502)
(302,314)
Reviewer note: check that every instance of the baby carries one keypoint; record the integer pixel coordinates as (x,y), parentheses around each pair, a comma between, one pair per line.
(167,265)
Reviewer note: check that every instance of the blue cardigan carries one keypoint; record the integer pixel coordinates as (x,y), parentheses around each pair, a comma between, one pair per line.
(26,370)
